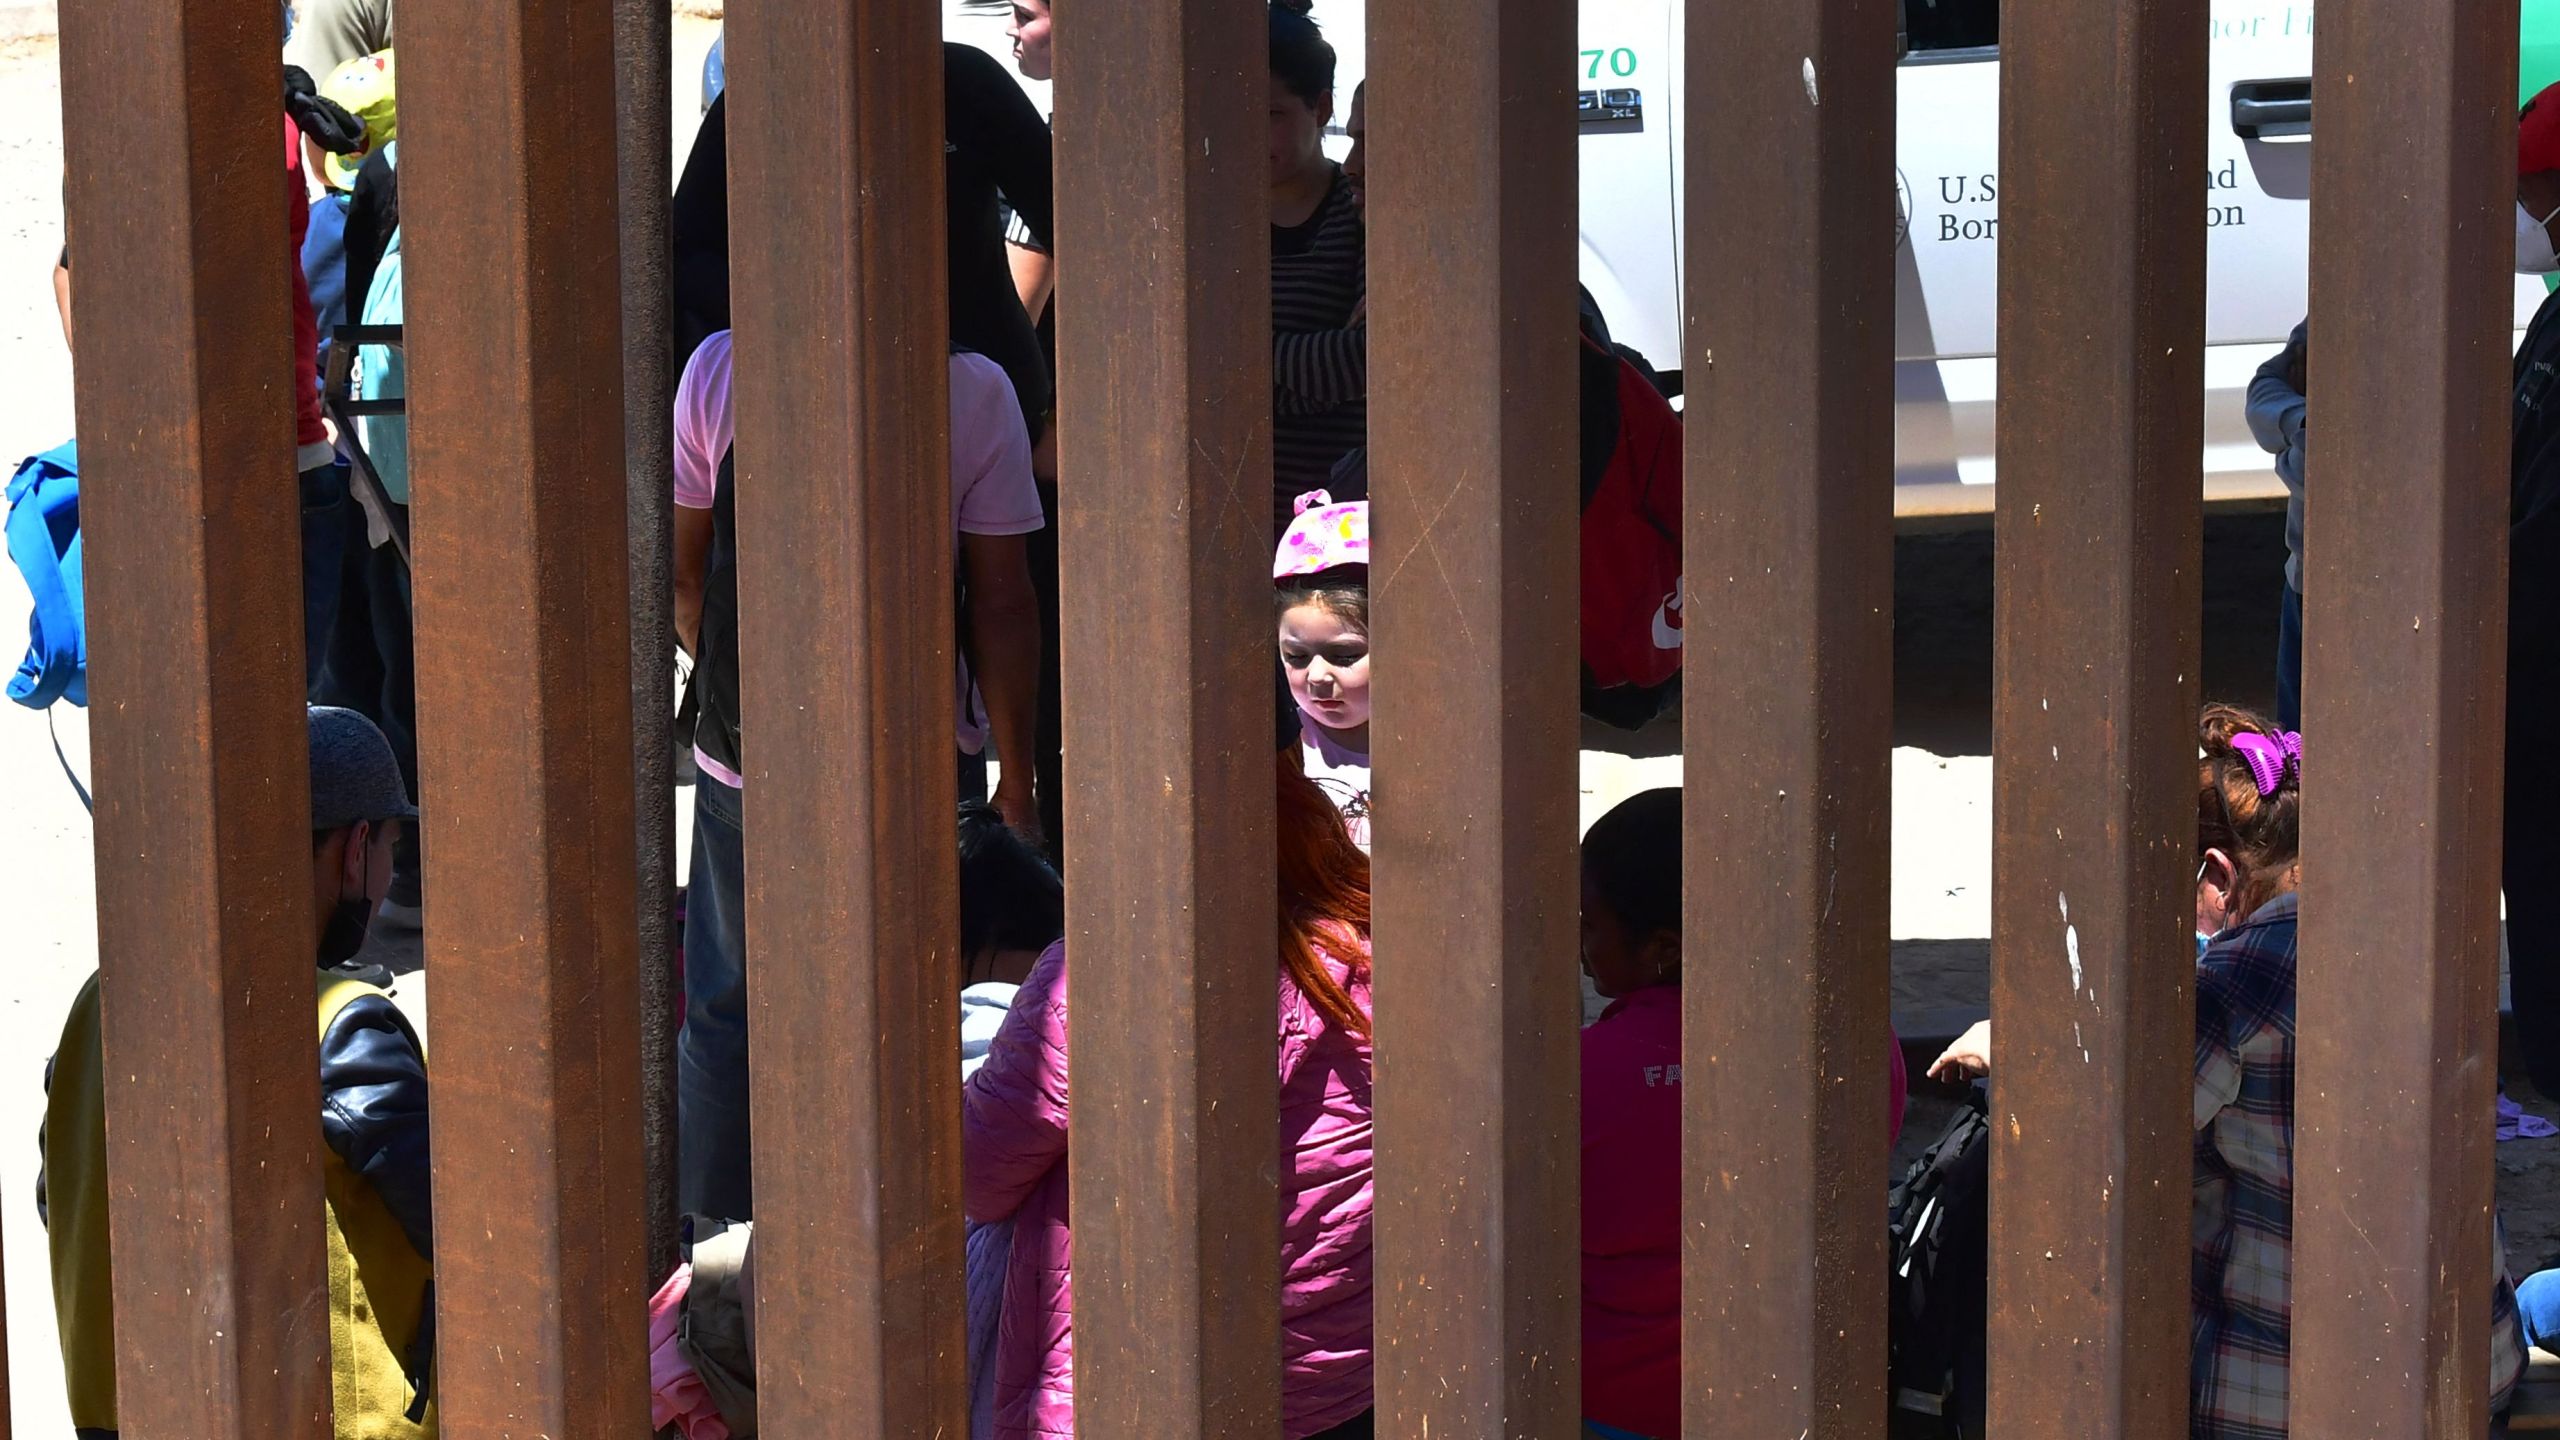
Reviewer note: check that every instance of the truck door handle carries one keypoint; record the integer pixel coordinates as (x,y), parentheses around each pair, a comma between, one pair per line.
(2271,109)
(1620,108)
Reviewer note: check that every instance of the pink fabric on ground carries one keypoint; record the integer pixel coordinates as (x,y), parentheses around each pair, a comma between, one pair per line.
(676,1395)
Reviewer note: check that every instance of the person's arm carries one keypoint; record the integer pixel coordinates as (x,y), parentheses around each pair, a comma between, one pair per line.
(62,262)
(1316,370)
(1035,276)
(1044,454)
(703,435)
(2277,409)
(1969,1058)
(692,563)
(994,504)
(988,114)
(1004,656)
(44,1150)
(2217,1047)
(62,294)
(373,1110)
(1013,1112)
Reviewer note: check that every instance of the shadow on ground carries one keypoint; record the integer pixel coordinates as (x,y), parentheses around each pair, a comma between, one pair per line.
(1942,638)
(1942,610)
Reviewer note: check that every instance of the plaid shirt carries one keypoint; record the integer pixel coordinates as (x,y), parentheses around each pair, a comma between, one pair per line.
(2242,1277)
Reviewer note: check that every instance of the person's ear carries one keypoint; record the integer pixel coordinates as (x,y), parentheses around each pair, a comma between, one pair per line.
(357,858)
(2221,877)
(1660,956)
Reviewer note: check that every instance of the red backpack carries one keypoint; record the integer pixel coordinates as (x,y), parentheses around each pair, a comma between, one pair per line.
(1631,516)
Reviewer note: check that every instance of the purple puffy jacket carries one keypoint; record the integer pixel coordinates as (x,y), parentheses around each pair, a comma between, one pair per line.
(1015,1123)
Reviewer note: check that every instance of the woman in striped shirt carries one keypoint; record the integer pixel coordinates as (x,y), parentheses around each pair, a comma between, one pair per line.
(1319,278)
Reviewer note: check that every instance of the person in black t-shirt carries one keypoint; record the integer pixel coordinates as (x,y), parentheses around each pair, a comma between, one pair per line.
(997,160)
(997,146)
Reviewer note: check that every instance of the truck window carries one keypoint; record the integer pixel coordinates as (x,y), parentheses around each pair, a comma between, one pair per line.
(1939,26)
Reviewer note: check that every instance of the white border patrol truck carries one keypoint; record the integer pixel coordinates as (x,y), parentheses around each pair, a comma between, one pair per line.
(1946,234)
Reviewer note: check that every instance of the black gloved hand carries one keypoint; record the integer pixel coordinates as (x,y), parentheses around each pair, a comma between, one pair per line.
(326,121)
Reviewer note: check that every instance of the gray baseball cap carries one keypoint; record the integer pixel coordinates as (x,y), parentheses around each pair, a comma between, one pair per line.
(353,775)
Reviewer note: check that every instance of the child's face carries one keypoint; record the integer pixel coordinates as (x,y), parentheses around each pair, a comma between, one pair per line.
(1328,665)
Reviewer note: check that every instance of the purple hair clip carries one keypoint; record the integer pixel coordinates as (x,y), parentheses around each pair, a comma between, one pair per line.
(2268,757)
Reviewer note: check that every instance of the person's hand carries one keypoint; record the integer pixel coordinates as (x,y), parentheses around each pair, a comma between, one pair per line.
(1359,313)
(1014,801)
(1969,1058)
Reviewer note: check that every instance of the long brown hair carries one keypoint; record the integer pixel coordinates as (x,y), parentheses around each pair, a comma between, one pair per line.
(1324,896)
(2261,833)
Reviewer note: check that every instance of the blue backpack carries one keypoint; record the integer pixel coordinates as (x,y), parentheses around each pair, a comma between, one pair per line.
(44,540)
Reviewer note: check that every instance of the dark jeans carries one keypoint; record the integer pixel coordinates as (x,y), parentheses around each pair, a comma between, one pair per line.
(2289,662)
(1048,767)
(714,1145)
(1361,1428)
(325,508)
(2532,870)
(371,663)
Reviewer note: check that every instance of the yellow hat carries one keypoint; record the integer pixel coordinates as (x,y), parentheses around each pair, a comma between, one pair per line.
(363,87)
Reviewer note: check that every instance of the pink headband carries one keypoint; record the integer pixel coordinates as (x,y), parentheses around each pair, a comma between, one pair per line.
(1325,536)
(2269,756)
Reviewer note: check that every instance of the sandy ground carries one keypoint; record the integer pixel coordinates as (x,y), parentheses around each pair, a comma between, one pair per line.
(1941,767)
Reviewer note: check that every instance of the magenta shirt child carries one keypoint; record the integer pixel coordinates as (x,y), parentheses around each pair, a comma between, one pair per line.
(1631,1118)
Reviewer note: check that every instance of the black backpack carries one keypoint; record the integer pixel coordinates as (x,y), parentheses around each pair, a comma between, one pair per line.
(1938,1250)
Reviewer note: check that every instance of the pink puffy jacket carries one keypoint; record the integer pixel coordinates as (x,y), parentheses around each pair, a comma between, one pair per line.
(1015,1124)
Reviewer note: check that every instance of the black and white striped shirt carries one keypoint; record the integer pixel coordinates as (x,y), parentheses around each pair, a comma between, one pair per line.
(1319,360)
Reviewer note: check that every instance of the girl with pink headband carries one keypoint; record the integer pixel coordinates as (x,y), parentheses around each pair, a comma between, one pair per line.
(2248,854)
(1322,571)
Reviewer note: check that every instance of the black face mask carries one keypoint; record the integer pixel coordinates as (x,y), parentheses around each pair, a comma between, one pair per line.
(349,921)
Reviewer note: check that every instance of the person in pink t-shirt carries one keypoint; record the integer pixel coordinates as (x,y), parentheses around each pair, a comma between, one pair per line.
(1631,1121)
(994,504)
